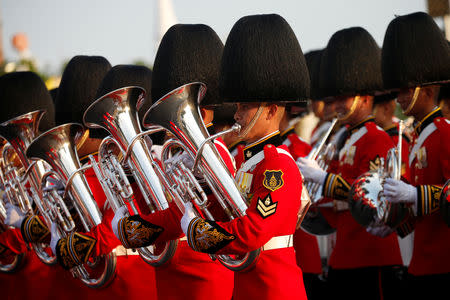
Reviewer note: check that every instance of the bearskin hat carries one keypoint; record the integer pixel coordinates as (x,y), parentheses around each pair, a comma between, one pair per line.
(188,53)
(415,52)
(350,64)
(54,93)
(263,62)
(24,92)
(78,88)
(313,63)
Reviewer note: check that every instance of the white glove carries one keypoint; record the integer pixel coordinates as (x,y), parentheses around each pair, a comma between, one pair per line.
(311,170)
(184,157)
(55,237)
(189,214)
(14,216)
(379,229)
(397,191)
(57,185)
(121,213)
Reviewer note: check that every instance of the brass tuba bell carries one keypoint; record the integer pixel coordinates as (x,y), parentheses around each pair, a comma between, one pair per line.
(58,147)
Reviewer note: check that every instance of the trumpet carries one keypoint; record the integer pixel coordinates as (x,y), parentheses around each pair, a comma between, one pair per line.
(21,177)
(57,147)
(323,153)
(178,113)
(367,201)
(128,147)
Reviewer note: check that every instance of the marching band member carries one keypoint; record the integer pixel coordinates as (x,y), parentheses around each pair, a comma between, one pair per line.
(416,61)
(350,72)
(187,53)
(86,78)
(26,92)
(262,67)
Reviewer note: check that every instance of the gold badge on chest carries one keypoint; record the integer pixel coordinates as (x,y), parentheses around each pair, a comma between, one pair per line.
(273,179)
(421,156)
(350,155)
(244,182)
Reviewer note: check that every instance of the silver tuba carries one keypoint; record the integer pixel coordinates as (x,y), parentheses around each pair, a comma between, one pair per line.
(128,148)
(178,113)
(367,201)
(57,147)
(13,263)
(21,177)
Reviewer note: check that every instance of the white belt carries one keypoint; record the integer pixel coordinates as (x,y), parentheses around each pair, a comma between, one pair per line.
(277,242)
(122,251)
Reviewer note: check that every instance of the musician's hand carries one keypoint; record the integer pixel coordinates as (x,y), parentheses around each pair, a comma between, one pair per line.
(189,214)
(121,213)
(57,185)
(311,170)
(55,237)
(14,216)
(397,191)
(379,229)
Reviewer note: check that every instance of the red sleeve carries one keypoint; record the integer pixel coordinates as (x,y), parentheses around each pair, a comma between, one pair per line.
(272,212)
(169,220)
(12,239)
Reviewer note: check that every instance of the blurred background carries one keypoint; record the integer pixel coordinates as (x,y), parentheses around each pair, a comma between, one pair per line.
(42,35)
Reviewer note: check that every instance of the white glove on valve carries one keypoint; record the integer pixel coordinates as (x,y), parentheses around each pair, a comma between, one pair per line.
(189,214)
(121,213)
(55,237)
(397,191)
(379,229)
(311,170)
(14,216)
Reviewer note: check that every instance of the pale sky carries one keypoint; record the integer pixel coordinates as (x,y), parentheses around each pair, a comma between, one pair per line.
(124,31)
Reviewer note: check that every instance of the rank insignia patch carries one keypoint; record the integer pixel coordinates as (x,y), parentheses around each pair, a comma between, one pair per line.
(375,163)
(273,179)
(266,207)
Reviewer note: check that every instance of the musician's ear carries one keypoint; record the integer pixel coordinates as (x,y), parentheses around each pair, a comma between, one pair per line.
(203,112)
(273,111)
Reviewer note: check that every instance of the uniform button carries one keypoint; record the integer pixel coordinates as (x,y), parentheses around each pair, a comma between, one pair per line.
(417,178)
(269,146)
(417,165)
(438,120)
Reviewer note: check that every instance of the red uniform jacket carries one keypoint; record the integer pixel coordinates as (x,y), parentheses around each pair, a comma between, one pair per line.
(273,187)
(305,245)
(430,169)
(355,247)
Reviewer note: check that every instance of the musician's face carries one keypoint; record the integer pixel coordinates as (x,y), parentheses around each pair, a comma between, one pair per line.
(404,98)
(244,115)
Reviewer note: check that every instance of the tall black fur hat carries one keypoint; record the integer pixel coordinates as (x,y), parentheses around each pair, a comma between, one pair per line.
(78,88)
(53,93)
(188,53)
(24,92)
(415,52)
(351,64)
(313,63)
(263,62)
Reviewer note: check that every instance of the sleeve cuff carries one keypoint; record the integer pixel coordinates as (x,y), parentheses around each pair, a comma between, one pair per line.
(33,229)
